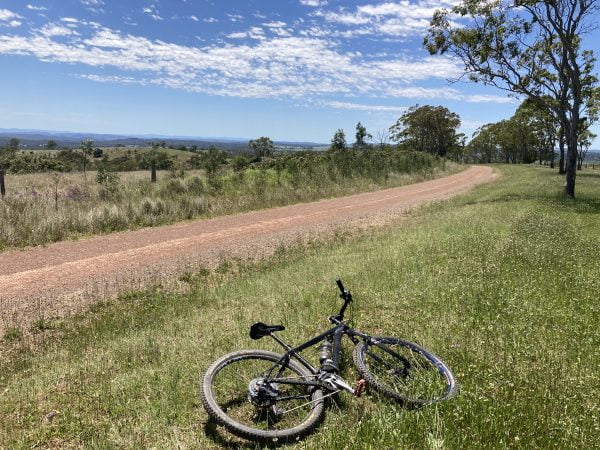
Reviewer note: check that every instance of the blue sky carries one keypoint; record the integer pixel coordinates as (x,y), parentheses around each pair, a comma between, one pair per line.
(288,69)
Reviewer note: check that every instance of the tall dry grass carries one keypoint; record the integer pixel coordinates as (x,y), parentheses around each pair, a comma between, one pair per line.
(45,208)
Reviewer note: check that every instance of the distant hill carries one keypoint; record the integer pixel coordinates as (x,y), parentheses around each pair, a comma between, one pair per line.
(35,139)
(593,155)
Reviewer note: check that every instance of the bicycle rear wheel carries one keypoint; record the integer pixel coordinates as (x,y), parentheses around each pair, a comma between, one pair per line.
(404,371)
(249,393)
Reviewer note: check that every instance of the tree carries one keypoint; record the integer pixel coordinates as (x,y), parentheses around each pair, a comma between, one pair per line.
(262,146)
(530,48)
(212,160)
(430,129)
(87,149)
(240,163)
(153,159)
(338,142)
(484,144)
(544,127)
(361,136)
(13,144)
(585,142)
(51,145)
(7,156)
(383,138)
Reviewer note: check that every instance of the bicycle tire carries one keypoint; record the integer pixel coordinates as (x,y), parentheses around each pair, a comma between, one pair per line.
(393,367)
(240,422)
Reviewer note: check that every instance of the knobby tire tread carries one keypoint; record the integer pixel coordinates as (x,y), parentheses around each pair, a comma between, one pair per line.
(373,382)
(265,437)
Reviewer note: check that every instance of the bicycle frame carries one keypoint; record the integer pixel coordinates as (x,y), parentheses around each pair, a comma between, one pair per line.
(337,332)
(341,328)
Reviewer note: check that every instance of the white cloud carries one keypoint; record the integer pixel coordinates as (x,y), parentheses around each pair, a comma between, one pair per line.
(314,3)
(6,15)
(277,66)
(401,18)
(9,19)
(490,99)
(194,18)
(210,20)
(238,35)
(275,24)
(365,107)
(152,12)
(235,17)
(36,8)
(56,30)
(92,2)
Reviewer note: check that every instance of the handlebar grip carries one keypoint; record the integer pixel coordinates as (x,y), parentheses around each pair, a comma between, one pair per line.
(340,286)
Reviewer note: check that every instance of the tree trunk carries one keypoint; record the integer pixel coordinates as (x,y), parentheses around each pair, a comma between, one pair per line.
(153,172)
(2,187)
(571,171)
(561,146)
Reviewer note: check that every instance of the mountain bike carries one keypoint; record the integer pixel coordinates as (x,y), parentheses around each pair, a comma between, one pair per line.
(270,397)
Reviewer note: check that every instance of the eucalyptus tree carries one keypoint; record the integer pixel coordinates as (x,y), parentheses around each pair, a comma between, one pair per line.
(362,136)
(338,142)
(87,149)
(531,48)
(585,142)
(483,146)
(430,129)
(263,146)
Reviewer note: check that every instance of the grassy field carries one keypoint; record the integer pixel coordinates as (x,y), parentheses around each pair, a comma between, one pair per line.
(49,207)
(501,283)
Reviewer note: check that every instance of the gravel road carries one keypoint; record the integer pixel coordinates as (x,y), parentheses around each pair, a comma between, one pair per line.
(65,277)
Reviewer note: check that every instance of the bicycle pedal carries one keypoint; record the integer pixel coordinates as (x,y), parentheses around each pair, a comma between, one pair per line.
(360,387)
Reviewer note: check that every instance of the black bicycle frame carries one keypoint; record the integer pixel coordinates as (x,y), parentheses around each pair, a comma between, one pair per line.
(337,332)
(341,328)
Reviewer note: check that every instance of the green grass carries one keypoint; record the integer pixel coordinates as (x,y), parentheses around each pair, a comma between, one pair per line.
(501,283)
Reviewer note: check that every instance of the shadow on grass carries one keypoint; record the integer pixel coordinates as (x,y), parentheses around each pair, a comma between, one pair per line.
(218,436)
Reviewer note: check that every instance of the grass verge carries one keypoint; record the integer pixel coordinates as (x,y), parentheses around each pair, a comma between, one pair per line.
(502,283)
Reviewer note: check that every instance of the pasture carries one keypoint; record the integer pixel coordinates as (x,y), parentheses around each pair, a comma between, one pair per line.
(501,283)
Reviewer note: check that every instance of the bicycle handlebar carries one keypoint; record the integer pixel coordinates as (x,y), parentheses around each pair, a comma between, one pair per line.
(340,285)
(346,295)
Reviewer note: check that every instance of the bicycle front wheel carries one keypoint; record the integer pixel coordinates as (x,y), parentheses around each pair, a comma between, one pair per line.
(404,371)
(258,397)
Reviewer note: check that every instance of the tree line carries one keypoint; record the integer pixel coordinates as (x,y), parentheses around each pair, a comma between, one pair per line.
(532,49)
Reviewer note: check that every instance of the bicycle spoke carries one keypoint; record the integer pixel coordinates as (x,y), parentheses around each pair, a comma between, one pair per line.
(278,403)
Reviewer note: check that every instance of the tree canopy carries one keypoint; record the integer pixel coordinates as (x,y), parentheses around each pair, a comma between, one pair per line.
(263,146)
(338,142)
(361,136)
(430,129)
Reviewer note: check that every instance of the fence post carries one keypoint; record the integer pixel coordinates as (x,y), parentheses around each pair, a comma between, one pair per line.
(2,187)
(153,172)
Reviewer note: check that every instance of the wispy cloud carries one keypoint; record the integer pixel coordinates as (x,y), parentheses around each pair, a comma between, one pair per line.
(314,3)
(365,107)
(152,12)
(278,66)
(9,19)
(402,18)
(36,8)
(267,63)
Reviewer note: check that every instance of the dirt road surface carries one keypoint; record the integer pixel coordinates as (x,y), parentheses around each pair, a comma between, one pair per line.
(67,276)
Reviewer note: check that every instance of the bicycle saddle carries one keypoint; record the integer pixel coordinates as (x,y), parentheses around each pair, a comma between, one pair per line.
(259,330)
